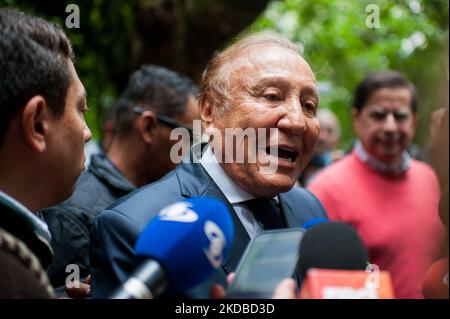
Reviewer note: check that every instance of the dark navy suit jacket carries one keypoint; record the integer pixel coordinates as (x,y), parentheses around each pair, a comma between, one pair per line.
(116,229)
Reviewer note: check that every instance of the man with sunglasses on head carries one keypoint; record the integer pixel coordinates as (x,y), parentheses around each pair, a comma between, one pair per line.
(155,101)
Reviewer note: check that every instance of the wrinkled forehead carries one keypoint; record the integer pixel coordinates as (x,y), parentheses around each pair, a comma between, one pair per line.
(265,61)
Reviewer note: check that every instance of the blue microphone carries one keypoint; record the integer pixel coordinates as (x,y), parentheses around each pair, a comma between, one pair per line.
(180,248)
(312,222)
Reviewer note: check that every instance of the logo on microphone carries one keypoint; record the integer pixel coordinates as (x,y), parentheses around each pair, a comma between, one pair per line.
(179,212)
(217,243)
(373,277)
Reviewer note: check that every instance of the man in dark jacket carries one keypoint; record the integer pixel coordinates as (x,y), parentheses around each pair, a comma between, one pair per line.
(155,100)
(42,134)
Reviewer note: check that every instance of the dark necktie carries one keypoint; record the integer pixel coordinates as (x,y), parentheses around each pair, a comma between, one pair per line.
(266,212)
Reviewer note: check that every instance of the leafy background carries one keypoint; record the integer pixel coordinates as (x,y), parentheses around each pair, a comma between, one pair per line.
(117,36)
(412,38)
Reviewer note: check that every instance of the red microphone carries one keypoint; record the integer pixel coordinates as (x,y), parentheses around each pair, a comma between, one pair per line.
(346,284)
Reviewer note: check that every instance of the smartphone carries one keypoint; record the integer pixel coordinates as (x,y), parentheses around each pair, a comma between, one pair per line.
(270,257)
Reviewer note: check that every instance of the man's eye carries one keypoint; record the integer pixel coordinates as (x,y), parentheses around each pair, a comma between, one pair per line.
(272,97)
(401,117)
(378,116)
(310,107)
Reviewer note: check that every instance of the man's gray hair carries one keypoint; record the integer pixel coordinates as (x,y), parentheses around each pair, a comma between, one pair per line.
(216,77)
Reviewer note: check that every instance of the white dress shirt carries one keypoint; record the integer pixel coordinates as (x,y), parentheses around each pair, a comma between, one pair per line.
(233,193)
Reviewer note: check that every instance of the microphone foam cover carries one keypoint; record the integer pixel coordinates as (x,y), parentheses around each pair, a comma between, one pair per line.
(332,245)
(190,239)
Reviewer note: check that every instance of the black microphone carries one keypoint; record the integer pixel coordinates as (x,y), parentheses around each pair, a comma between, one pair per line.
(334,264)
(148,281)
(332,245)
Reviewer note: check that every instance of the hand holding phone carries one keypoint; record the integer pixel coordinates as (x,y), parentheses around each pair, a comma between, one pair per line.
(269,258)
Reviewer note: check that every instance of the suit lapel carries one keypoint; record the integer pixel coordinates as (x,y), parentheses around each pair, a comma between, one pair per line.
(195,181)
(289,215)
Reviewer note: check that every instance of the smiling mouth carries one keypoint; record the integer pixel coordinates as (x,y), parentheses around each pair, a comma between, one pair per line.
(285,154)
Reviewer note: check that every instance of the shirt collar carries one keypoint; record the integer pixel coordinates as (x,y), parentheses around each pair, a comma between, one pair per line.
(381,166)
(233,193)
(37,222)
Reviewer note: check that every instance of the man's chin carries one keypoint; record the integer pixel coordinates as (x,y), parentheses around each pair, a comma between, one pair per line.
(385,153)
(272,185)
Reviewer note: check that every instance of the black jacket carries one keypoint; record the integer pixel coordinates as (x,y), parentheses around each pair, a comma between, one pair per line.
(116,229)
(70,222)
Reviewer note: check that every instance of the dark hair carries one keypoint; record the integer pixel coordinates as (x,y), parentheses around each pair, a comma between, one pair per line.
(155,88)
(34,57)
(383,79)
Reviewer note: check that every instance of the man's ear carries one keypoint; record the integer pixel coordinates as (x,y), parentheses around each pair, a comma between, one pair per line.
(145,125)
(355,113)
(35,123)
(206,112)
(355,118)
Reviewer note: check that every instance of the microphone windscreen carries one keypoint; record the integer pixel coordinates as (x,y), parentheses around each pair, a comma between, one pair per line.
(190,239)
(332,245)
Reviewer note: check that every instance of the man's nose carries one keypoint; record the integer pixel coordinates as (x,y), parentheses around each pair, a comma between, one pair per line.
(87,133)
(390,124)
(293,120)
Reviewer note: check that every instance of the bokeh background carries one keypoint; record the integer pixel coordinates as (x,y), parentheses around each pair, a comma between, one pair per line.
(116,37)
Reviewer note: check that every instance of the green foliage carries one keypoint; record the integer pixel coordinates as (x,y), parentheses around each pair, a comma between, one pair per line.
(333,34)
(342,49)
(102,46)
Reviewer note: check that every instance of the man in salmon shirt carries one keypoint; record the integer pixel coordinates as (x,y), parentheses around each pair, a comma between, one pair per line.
(388,197)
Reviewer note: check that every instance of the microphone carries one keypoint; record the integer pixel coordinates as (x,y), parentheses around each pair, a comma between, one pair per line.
(334,265)
(180,248)
(314,221)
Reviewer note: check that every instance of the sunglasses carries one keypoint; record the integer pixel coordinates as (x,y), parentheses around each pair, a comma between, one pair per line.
(166,120)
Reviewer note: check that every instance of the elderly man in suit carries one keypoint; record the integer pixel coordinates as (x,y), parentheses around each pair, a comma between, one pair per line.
(261,82)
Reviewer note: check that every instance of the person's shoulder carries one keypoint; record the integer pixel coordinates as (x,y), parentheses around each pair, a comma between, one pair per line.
(146,201)
(84,200)
(301,193)
(336,172)
(421,166)
(22,275)
(423,170)
(301,197)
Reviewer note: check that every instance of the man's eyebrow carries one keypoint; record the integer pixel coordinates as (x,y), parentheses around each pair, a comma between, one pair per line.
(82,98)
(275,81)
(311,90)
